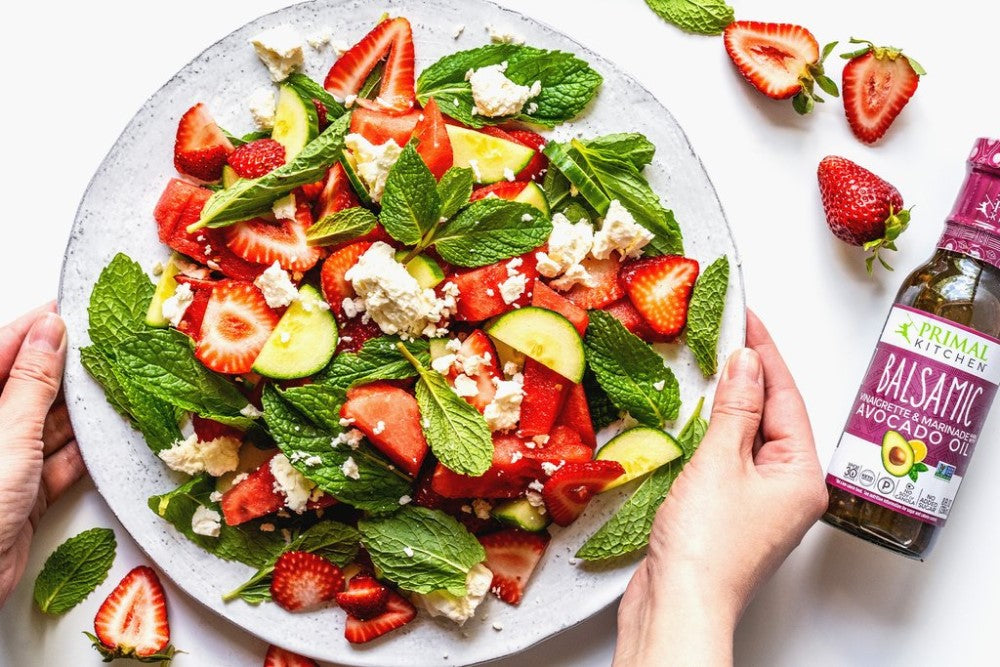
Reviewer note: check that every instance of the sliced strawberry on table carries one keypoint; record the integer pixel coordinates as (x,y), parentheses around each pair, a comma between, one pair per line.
(479,289)
(512,556)
(570,488)
(545,392)
(279,657)
(284,241)
(236,325)
(504,190)
(576,415)
(209,429)
(336,194)
(201,148)
(335,287)
(390,419)
(391,39)
(304,581)
(660,289)
(398,612)
(479,347)
(132,621)
(364,598)
(257,158)
(606,286)
(379,127)
(544,296)
(878,82)
(433,143)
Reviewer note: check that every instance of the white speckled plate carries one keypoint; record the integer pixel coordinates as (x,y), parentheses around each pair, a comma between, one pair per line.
(115,216)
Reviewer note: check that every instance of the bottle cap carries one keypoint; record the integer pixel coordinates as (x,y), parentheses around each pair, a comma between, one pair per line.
(974,224)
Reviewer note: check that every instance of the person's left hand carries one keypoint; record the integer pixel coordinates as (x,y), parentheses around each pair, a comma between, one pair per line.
(39,458)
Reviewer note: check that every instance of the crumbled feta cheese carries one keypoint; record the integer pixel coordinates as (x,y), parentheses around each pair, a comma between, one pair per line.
(250,411)
(659,385)
(346,421)
(405,500)
(569,243)
(574,275)
(504,411)
(206,522)
(320,38)
(215,496)
(473,364)
(350,469)
(312,461)
(511,369)
(457,31)
(509,174)
(174,306)
(379,427)
(453,345)
(443,363)
(495,95)
(527,217)
(267,527)
(620,232)
(516,456)
(373,162)
(459,608)
(408,551)
(540,440)
(482,508)
(352,437)
(465,386)
(291,483)
(284,208)
(532,107)
(503,35)
(535,499)
(276,286)
(352,307)
(262,107)
(208,249)
(280,49)
(512,288)
(239,478)
(498,626)
(192,456)
(476,174)
(549,468)
(536,485)
(490,291)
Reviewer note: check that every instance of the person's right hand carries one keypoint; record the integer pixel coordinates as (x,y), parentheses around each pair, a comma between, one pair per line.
(736,511)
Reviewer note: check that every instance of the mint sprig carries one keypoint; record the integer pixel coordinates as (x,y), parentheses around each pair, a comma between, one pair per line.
(454,190)
(74,570)
(341,226)
(410,203)
(708,301)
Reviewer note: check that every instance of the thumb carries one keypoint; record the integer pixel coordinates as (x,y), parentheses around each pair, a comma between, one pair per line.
(34,380)
(739,404)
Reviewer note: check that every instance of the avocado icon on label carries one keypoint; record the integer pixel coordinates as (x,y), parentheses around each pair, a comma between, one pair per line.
(898,456)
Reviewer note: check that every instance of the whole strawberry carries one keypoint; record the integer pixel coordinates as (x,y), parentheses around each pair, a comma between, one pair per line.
(861,208)
(257,158)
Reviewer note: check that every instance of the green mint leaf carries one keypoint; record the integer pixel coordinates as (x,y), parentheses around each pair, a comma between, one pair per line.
(319,403)
(118,303)
(454,190)
(628,529)
(378,359)
(576,210)
(101,368)
(708,301)
(630,371)
(491,230)
(74,570)
(341,226)
(629,146)
(410,203)
(602,411)
(693,432)
(249,198)
(378,487)
(701,17)
(443,551)
(309,89)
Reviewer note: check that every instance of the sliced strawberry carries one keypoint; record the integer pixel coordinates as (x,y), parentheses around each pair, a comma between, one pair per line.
(433,143)
(201,290)
(209,429)
(390,419)
(576,415)
(545,392)
(877,83)
(201,148)
(310,192)
(379,127)
(504,190)
(479,289)
(132,621)
(564,444)
(354,333)
(236,325)
(660,289)
(398,612)
(424,495)
(279,657)
(229,263)
(607,288)
(772,56)
(335,287)
(512,556)
(303,581)
(534,170)
(570,488)
(543,296)
(336,195)
(364,598)
(391,39)
(478,346)
(284,241)
(256,158)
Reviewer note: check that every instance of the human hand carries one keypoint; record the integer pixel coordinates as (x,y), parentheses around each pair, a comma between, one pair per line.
(736,511)
(39,458)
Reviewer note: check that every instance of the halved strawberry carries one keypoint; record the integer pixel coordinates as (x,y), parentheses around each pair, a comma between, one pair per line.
(256,158)
(576,415)
(878,82)
(304,581)
(200,149)
(190,324)
(625,312)
(545,392)
(209,429)
(479,289)
(478,346)
(236,325)
(336,195)
(512,556)
(398,612)
(284,241)
(391,39)
(132,621)
(607,288)
(379,127)
(335,287)
(433,143)
(570,488)
(504,190)
(390,419)
(279,657)
(543,296)
(364,598)
(660,289)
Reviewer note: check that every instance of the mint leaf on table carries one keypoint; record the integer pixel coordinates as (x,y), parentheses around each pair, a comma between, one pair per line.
(310,89)
(629,370)
(693,431)
(378,487)
(410,202)
(629,146)
(74,570)
(708,301)
(118,302)
(341,226)
(491,230)
(248,198)
(454,190)
(378,359)
(455,430)
(443,551)
(702,17)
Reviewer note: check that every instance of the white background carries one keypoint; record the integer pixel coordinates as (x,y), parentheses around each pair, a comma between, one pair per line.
(76,72)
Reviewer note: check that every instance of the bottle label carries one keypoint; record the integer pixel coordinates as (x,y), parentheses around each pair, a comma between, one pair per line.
(918,415)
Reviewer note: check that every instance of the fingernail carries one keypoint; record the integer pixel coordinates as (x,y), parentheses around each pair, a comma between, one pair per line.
(745,365)
(47,333)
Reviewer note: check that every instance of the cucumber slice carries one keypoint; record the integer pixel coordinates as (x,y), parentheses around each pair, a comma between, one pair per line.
(575,174)
(505,354)
(347,162)
(545,336)
(640,450)
(491,155)
(521,514)
(295,121)
(427,272)
(165,289)
(302,343)
(532,194)
(229,176)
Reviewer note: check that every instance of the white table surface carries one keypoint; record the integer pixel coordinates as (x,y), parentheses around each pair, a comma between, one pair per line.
(76,72)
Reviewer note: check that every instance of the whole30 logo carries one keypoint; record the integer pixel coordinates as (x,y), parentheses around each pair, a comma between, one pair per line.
(955,347)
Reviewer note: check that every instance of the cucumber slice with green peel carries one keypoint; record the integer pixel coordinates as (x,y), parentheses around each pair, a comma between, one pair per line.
(229,176)
(545,336)
(487,156)
(565,163)
(521,514)
(347,162)
(532,194)
(165,289)
(303,342)
(295,121)
(639,450)
(427,271)
(438,347)
(506,354)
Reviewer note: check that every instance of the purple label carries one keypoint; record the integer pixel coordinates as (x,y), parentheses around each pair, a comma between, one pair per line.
(975,242)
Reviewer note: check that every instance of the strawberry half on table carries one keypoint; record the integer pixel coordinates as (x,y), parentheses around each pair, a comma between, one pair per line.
(877,82)
(279,657)
(781,60)
(132,621)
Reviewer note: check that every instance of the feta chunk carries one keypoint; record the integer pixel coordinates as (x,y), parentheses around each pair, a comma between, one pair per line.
(443,363)
(577,274)
(206,522)
(504,411)
(512,288)
(290,483)
(280,49)
(250,411)
(459,608)
(569,243)
(193,457)
(620,233)
(320,38)
(350,468)
(496,95)
(174,306)
(482,508)
(284,208)
(465,386)
(457,31)
(276,286)
(372,163)
(503,35)
(262,107)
